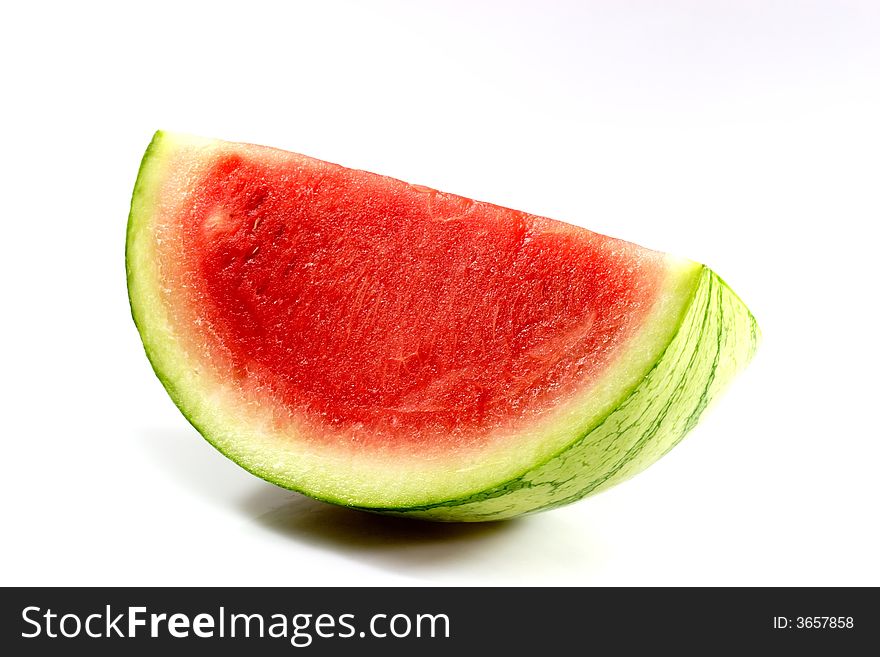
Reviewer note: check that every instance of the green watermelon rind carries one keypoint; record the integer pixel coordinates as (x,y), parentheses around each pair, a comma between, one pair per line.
(717,338)
(605,451)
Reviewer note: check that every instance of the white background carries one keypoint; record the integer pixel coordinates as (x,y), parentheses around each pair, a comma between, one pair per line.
(742,134)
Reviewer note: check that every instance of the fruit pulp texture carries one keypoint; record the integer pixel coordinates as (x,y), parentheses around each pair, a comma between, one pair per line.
(387,312)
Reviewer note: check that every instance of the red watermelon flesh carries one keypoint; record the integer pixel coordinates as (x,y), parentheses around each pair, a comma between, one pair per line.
(415,316)
(341,316)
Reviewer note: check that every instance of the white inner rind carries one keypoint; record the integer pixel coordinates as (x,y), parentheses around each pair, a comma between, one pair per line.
(244,429)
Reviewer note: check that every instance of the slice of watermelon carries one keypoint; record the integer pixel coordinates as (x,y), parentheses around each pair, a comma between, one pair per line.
(391,347)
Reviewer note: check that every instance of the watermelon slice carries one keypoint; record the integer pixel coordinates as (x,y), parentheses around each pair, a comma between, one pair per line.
(394,348)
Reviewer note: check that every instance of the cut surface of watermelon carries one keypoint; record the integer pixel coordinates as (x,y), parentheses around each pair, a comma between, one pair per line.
(392,347)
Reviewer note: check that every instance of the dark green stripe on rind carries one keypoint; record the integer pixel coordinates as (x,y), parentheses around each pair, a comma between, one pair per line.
(718,336)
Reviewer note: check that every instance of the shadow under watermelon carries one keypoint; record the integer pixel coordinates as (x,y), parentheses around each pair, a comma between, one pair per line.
(546,545)
(306,520)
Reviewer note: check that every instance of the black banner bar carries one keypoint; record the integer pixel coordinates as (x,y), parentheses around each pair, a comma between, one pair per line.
(398,621)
